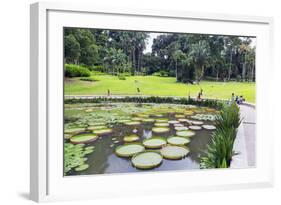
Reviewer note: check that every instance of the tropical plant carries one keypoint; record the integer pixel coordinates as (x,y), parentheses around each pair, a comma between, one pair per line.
(220,152)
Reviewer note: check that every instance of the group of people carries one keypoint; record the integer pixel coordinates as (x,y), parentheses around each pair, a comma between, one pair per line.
(238,99)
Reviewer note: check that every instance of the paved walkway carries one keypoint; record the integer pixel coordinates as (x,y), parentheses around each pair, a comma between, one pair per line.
(248,115)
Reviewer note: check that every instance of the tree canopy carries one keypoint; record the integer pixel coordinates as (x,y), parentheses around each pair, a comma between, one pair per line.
(188,57)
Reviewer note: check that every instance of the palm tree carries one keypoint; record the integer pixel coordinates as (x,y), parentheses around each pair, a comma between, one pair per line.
(199,56)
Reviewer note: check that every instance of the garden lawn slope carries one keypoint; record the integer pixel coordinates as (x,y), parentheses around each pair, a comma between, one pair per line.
(157,86)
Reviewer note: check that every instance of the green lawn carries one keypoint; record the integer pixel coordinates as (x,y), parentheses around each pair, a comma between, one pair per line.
(158,86)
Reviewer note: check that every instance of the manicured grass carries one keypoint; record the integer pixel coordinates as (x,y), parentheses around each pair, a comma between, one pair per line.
(157,86)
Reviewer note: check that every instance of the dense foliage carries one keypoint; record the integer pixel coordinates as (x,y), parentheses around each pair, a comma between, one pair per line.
(220,151)
(72,70)
(153,99)
(188,57)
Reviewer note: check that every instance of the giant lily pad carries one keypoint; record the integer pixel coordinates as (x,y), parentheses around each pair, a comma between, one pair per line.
(102,131)
(148,120)
(209,127)
(197,122)
(181,128)
(186,133)
(74,130)
(132,123)
(195,127)
(99,127)
(175,140)
(83,138)
(173,122)
(162,124)
(164,120)
(160,129)
(179,116)
(154,142)
(147,160)
(128,150)
(131,138)
(174,152)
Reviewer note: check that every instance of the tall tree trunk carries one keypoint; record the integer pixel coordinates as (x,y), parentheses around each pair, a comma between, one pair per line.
(176,70)
(230,65)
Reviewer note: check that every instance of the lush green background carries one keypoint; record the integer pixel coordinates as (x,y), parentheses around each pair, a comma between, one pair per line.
(159,86)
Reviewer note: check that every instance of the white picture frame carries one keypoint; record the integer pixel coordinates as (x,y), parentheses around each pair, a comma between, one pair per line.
(47,182)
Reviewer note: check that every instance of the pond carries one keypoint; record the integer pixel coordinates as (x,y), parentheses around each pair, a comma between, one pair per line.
(95,132)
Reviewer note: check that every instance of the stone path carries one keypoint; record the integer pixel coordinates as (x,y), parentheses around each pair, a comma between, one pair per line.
(248,114)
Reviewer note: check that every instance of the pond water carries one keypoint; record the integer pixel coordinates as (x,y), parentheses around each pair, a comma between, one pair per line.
(115,116)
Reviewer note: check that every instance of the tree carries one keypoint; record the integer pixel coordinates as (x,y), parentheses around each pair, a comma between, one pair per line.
(200,57)
(71,49)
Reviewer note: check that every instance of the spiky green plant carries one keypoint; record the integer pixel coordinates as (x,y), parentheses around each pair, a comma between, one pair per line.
(220,151)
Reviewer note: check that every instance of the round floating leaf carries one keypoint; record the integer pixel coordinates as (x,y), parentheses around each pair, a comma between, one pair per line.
(132,123)
(131,138)
(209,127)
(137,119)
(142,115)
(154,142)
(173,122)
(74,130)
(188,112)
(83,138)
(147,160)
(96,127)
(123,121)
(88,151)
(197,122)
(181,128)
(82,167)
(102,131)
(174,152)
(175,140)
(148,120)
(195,127)
(96,123)
(183,120)
(158,124)
(160,129)
(186,133)
(178,125)
(179,116)
(129,150)
(162,120)
(89,147)
(67,136)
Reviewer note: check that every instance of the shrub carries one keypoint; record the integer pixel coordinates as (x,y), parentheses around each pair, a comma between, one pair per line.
(220,152)
(121,77)
(87,79)
(72,70)
(161,73)
(152,99)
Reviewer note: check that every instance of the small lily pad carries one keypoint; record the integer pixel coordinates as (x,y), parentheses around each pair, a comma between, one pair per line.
(128,150)
(186,133)
(179,116)
(160,129)
(82,167)
(174,152)
(147,160)
(162,120)
(178,125)
(83,138)
(209,127)
(175,140)
(131,138)
(154,142)
(183,120)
